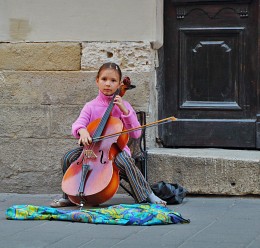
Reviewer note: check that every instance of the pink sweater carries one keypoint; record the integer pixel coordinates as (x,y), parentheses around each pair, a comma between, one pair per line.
(97,107)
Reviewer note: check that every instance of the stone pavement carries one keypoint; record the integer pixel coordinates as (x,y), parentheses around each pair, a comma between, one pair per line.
(216,222)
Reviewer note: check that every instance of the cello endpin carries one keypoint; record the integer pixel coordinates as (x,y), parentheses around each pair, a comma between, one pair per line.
(81,205)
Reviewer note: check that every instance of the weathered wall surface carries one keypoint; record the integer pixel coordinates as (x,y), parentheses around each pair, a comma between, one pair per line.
(43,86)
(81,20)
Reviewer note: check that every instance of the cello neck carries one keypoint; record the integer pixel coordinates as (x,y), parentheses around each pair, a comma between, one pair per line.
(105,117)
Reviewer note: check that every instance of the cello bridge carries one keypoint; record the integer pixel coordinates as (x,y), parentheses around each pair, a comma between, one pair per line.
(90,154)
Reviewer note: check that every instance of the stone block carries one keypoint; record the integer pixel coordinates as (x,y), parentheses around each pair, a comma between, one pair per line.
(207,171)
(24,121)
(65,88)
(130,56)
(32,165)
(47,88)
(39,56)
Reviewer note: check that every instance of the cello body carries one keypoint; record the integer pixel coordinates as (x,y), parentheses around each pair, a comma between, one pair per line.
(94,178)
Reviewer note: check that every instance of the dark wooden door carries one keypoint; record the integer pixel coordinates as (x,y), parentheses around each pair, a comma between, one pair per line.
(210,74)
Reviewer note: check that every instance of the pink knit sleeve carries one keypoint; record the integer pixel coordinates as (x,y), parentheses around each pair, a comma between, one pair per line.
(82,121)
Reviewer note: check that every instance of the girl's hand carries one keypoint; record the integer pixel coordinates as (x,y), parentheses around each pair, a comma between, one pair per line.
(85,138)
(119,102)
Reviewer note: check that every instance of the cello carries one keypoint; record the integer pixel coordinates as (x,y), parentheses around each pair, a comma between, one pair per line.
(94,178)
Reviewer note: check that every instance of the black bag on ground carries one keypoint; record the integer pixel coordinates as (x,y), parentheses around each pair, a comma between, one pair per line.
(172,193)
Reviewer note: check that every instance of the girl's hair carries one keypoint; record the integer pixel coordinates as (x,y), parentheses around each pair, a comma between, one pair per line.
(110,65)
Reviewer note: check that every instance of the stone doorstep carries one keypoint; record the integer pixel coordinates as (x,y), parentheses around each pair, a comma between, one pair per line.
(207,171)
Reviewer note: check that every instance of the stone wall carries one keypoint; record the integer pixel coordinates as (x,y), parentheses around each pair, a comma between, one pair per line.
(43,86)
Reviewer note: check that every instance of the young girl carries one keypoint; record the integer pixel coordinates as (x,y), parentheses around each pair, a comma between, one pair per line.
(108,80)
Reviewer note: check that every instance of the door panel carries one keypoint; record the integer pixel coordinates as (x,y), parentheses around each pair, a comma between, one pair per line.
(210,77)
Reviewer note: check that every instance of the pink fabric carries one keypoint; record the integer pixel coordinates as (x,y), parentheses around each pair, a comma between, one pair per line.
(97,107)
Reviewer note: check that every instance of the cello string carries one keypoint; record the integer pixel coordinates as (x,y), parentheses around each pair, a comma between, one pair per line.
(105,117)
(103,121)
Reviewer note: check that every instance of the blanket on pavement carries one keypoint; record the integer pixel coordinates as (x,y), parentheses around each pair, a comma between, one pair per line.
(122,214)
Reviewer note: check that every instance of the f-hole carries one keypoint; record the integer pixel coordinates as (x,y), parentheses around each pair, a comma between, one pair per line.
(79,162)
(101,158)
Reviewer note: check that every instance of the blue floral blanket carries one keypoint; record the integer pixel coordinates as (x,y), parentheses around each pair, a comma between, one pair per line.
(123,214)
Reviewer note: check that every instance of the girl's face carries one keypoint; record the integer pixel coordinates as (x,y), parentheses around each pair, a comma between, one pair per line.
(108,81)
